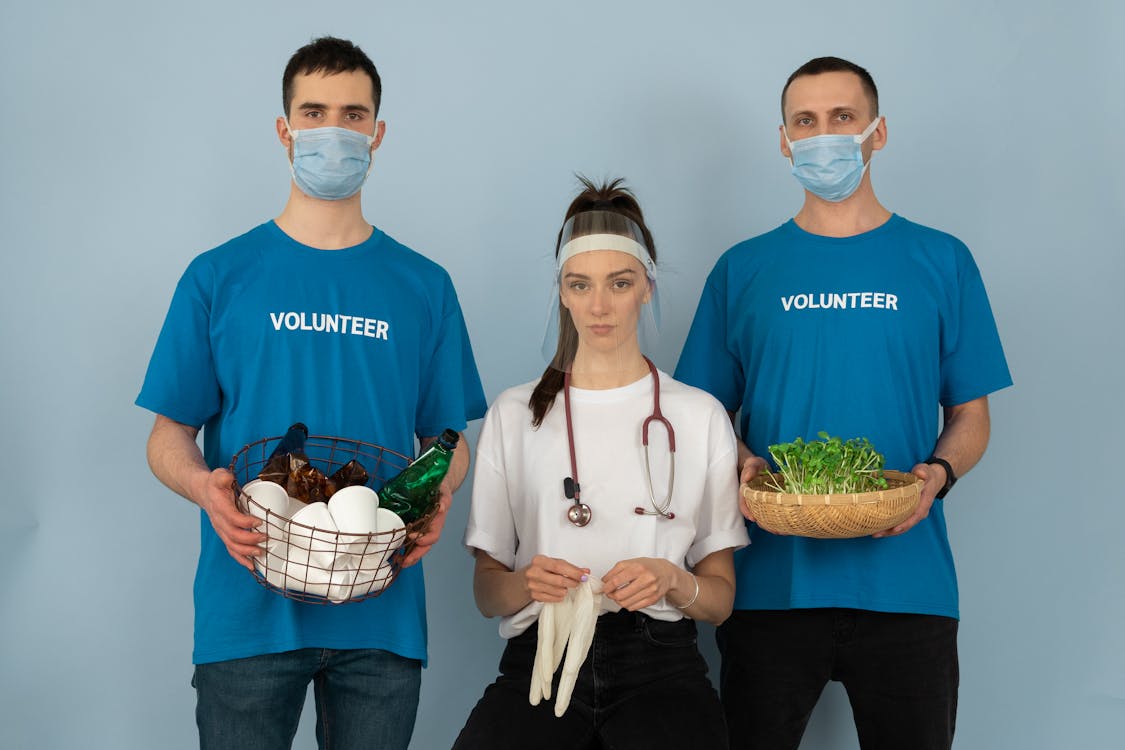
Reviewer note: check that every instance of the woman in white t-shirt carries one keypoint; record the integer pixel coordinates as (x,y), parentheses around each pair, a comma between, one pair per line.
(568,502)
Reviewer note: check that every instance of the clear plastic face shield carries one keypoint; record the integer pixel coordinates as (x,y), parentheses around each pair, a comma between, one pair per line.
(604,309)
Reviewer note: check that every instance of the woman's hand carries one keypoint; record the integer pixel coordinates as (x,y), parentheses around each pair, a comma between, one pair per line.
(547,579)
(643,581)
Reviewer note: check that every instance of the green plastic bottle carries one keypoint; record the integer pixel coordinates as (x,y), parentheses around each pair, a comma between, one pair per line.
(412,493)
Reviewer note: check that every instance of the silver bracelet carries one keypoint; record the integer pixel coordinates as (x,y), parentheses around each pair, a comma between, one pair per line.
(695,596)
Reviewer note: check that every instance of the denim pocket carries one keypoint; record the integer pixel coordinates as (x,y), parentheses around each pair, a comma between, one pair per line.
(678,634)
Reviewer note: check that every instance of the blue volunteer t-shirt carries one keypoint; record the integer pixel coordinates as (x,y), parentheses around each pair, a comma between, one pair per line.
(366,343)
(858,336)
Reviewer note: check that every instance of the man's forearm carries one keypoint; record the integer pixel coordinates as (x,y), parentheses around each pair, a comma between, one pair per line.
(175,458)
(176,461)
(744,452)
(964,435)
(744,455)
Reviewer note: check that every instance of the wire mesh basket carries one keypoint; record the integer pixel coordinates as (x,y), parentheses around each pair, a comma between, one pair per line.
(835,516)
(320,565)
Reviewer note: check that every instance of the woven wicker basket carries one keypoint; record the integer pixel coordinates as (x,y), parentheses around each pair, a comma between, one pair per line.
(840,516)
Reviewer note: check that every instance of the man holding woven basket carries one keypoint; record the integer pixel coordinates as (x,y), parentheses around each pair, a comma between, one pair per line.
(852,320)
(319,317)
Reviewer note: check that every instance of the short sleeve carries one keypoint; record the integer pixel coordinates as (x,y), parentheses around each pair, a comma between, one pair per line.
(491,527)
(181,382)
(972,358)
(450,394)
(719,524)
(707,360)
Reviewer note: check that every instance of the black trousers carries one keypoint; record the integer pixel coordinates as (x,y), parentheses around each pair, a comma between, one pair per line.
(644,685)
(900,672)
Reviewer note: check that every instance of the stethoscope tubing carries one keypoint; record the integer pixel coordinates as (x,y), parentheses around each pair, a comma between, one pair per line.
(579,513)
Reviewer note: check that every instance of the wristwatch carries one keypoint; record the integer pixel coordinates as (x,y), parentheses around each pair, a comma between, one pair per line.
(950,477)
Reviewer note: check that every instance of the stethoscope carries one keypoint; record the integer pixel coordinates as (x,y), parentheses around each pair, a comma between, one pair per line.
(579,513)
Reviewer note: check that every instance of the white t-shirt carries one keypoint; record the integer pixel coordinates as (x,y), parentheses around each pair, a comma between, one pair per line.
(519,510)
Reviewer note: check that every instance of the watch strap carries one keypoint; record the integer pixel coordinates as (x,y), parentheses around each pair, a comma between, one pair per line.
(950,477)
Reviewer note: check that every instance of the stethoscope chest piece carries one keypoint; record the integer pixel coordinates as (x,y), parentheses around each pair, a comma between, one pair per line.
(579,514)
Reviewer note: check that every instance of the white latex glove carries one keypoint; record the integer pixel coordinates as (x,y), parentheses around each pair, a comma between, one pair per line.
(587,607)
(543,648)
(555,620)
(564,621)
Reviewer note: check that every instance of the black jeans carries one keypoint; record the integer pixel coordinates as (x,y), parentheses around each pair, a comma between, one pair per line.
(644,685)
(900,672)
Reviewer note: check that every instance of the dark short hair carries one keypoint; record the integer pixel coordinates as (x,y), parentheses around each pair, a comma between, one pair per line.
(819,65)
(329,55)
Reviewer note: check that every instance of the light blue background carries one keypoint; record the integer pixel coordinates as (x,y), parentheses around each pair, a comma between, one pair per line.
(135,135)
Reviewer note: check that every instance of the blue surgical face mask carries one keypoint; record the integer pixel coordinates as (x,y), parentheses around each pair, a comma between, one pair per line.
(330,163)
(830,166)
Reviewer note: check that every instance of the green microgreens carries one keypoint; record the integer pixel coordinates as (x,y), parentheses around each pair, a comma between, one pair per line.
(826,466)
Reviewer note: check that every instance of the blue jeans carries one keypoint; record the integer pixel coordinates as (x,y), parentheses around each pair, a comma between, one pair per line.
(900,672)
(365,698)
(643,685)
